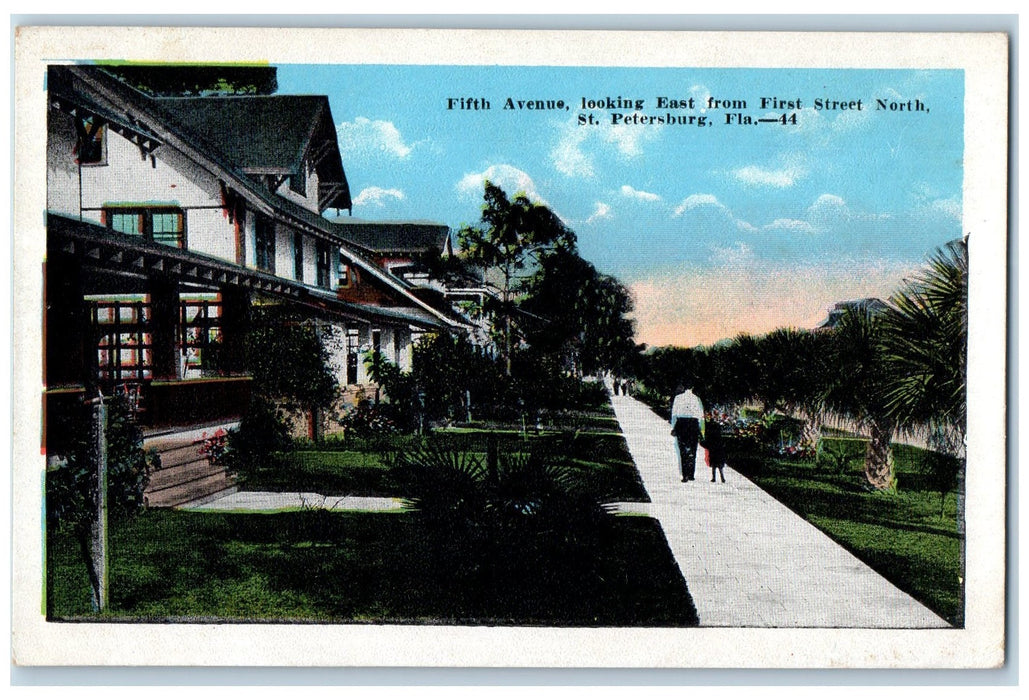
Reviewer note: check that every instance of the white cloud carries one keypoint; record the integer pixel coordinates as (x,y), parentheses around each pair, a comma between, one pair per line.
(628,138)
(600,211)
(697,200)
(506,177)
(700,93)
(573,154)
(377,196)
(950,208)
(568,156)
(366,136)
(829,200)
(828,207)
(734,255)
(781,178)
(633,193)
(792,225)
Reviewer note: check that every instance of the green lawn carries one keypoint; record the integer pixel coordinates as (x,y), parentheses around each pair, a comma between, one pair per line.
(364,567)
(389,567)
(901,535)
(599,459)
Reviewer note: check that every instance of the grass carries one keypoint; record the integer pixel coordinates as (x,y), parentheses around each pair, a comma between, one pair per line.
(599,459)
(901,534)
(318,566)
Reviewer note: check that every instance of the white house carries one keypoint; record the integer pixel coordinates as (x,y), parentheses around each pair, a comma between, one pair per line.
(170,218)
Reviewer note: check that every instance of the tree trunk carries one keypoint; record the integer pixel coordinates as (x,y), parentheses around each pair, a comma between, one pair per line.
(879,457)
(811,431)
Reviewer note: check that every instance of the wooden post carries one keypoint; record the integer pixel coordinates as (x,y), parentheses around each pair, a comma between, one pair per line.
(98,526)
(164,322)
(492,458)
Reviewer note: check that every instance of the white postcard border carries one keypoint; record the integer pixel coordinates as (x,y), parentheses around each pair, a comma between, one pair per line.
(980,644)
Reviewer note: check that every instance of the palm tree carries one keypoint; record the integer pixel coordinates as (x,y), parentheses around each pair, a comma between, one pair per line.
(799,360)
(856,389)
(926,344)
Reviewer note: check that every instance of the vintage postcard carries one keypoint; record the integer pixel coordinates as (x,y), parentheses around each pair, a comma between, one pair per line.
(509,348)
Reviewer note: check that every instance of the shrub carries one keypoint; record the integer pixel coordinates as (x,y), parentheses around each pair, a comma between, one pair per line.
(71,483)
(502,511)
(368,420)
(262,432)
(837,454)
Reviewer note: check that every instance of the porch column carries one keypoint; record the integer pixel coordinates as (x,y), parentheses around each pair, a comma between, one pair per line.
(71,345)
(164,324)
(235,322)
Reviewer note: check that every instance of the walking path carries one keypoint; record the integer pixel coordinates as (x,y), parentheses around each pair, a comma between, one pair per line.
(747,559)
(270,502)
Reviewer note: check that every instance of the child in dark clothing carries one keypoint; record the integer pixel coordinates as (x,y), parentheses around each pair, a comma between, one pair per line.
(715,447)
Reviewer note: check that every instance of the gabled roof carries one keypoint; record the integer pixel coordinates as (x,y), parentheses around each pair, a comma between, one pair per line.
(872,305)
(410,237)
(119,103)
(267,133)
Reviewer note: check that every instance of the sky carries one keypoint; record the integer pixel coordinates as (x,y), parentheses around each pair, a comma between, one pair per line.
(718,229)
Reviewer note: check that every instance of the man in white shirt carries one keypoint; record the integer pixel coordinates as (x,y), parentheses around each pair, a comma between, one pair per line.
(687,414)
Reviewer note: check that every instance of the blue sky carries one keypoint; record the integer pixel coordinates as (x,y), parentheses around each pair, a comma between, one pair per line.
(717,230)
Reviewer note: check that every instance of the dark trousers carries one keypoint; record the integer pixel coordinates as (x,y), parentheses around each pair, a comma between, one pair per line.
(687,434)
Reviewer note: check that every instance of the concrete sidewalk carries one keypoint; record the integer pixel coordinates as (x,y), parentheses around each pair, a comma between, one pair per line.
(747,559)
(270,502)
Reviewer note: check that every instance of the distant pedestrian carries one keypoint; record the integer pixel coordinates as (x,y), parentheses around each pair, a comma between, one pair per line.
(687,412)
(714,447)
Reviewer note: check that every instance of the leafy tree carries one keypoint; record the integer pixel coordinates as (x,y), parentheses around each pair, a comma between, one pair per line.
(198,80)
(512,236)
(446,371)
(578,314)
(289,359)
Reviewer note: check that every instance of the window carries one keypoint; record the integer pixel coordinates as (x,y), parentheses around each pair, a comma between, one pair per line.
(353,351)
(167,227)
(324,264)
(264,244)
(164,225)
(91,147)
(298,181)
(298,256)
(344,274)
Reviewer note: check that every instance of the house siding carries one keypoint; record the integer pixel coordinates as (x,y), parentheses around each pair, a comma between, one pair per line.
(192,183)
(310,200)
(62,172)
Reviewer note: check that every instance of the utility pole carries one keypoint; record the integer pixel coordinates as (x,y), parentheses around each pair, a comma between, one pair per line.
(98,524)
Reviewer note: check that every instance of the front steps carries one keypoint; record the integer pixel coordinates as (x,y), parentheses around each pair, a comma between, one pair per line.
(186,475)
